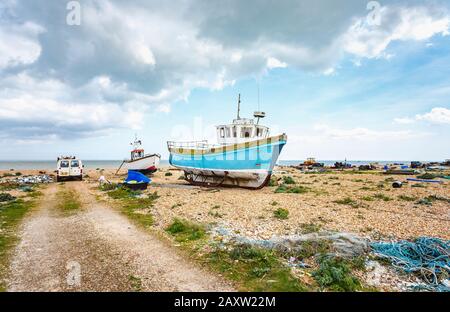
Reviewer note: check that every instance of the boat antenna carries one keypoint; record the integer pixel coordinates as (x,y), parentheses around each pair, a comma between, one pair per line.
(239,107)
(259,109)
(259,114)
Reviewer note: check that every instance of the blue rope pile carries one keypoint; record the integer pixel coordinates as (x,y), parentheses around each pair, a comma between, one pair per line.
(428,257)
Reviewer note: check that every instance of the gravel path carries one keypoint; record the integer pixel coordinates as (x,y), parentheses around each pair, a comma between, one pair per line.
(97,249)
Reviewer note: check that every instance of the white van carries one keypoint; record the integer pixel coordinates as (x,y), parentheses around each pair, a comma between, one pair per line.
(69,168)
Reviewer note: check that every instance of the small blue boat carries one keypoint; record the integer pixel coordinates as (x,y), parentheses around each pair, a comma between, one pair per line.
(136,180)
(244,156)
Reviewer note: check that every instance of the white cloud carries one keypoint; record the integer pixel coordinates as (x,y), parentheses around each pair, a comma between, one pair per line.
(275,63)
(329,72)
(438,115)
(32,108)
(397,24)
(19,44)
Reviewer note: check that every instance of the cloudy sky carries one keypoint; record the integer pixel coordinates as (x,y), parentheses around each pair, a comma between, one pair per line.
(344,79)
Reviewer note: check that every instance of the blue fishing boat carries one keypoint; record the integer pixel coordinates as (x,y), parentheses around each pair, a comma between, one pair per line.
(244,155)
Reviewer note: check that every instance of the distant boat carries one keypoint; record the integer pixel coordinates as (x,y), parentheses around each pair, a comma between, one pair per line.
(244,156)
(139,161)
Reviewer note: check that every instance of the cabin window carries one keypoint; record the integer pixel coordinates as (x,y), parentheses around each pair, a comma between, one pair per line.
(234,132)
(222,132)
(64,164)
(259,132)
(228,132)
(246,132)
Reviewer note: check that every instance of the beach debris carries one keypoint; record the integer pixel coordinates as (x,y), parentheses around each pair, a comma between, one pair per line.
(426,257)
(102,180)
(397,184)
(34,179)
(293,262)
(346,245)
(6,197)
(424,180)
(400,172)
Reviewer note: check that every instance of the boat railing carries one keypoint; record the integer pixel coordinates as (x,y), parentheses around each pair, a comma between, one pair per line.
(190,144)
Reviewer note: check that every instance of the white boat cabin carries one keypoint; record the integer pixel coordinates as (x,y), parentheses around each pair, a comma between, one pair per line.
(242,130)
(138,151)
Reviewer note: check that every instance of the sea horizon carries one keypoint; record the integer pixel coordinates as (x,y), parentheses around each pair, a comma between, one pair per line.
(108,164)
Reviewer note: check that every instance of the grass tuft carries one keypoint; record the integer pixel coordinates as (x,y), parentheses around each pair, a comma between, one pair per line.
(347,201)
(281,214)
(335,274)
(407,198)
(288,180)
(185,231)
(292,189)
(382,197)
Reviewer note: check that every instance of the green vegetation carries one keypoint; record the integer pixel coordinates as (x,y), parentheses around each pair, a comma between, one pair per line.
(281,213)
(439,198)
(11,213)
(419,185)
(312,248)
(168,174)
(309,228)
(6,197)
(8,186)
(134,204)
(407,198)
(273,181)
(185,231)
(68,201)
(347,201)
(254,269)
(136,282)
(425,201)
(274,203)
(215,214)
(336,274)
(108,187)
(382,197)
(367,198)
(283,188)
(427,176)
(429,200)
(288,180)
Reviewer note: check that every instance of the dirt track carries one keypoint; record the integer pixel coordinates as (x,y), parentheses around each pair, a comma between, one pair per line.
(97,249)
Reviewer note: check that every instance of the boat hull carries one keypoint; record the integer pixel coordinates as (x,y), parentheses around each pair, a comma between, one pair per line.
(147,164)
(247,165)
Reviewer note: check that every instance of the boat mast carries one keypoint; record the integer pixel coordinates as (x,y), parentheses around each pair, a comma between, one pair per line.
(239,107)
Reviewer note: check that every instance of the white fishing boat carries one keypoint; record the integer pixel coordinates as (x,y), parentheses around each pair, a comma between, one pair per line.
(139,161)
(244,155)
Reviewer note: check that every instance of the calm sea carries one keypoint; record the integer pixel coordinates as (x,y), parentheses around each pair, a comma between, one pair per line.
(108,164)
